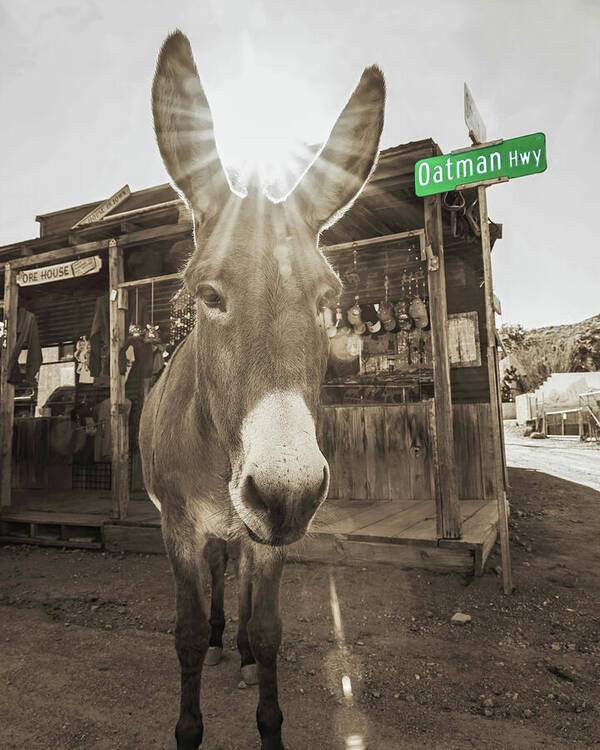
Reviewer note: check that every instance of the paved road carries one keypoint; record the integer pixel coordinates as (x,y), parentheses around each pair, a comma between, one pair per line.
(570,460)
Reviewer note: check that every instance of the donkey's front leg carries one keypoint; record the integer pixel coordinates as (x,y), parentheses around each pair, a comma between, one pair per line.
(264,633)
(192,634)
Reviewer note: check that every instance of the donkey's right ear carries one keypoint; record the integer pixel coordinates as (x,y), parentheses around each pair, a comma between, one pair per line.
(184,128)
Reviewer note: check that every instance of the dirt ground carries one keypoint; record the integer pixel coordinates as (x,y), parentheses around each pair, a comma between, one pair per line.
(88,658)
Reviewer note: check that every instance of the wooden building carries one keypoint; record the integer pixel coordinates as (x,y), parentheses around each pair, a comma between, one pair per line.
(410,418)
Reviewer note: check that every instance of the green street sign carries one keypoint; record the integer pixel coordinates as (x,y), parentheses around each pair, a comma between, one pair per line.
(515,157)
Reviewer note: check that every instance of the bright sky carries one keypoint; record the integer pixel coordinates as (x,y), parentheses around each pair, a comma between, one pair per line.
(76,125)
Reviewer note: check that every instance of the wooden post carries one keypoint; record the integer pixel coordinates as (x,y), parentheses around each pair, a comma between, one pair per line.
(119,419)
(7,391)
(496,423)
(500,415)
(445,484)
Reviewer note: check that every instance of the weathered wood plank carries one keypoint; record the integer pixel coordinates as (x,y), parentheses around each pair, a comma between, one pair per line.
(48,517)
(164,232)
(446,491)
(397,526)
(333,549)
(119,420)
(486,451)
(478,525)
(494,392)
(397,451)
(467,449)
(348,522)
(376,458)
(426,528)
(344,452)
(327,440)
(419,451)
(7,538)
(333,513)
(7,391)
(380,453)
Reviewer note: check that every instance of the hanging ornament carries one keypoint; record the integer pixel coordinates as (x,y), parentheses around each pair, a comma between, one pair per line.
(352,278)
(417,308)
(152,332)
(135,330)
(355,318)
(405,322)
(385,312)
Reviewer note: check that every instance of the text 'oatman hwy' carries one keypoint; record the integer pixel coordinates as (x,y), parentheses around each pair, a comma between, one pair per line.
(516,157)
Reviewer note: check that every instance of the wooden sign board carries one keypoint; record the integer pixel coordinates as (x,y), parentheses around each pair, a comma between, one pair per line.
(60,271)
(105,207)
(463,340)
(473,119)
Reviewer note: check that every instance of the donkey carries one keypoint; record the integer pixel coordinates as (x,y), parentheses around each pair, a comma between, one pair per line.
(227,435)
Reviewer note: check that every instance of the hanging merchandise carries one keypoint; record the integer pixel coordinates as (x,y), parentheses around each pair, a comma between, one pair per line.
(135,329)
(417,308)
(182,317)
(152,332)
(386,309)
(405,322)
(352,278)
(27,338)
(354,313)
(370,317)
(153,337)
(355,319)
(99,343)
(126,359)
(342,330)
(82,357)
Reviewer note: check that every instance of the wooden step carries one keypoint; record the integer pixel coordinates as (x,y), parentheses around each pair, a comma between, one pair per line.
(78,530)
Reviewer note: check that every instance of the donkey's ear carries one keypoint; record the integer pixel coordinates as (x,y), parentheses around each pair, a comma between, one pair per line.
(184,127)
(340,171)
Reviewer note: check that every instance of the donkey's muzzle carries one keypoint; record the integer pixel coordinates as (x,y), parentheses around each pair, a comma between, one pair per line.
(282,515)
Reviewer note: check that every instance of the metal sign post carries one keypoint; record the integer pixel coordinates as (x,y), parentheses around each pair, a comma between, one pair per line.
(478,166)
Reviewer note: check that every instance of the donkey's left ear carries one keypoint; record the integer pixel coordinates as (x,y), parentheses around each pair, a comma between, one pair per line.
(333,181)
(184,128)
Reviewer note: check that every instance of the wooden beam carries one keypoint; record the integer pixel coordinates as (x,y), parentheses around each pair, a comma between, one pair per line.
(372,241)
(129,226)
(164,232)
(446,488)
(495,401)
(7,391)
(150,280)
(119,417)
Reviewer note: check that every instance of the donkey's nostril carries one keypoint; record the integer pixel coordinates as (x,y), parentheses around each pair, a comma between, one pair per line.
(325,483)
(265,502)
(252,497)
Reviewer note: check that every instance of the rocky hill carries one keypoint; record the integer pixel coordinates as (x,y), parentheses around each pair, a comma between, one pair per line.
(539,352)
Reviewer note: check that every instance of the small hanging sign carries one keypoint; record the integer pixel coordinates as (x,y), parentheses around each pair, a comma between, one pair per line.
(104,208)
(60,272)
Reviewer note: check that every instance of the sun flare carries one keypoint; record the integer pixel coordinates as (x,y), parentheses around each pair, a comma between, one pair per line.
(260,126)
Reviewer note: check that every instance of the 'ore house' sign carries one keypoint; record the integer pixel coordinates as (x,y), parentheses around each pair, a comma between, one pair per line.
(515,157)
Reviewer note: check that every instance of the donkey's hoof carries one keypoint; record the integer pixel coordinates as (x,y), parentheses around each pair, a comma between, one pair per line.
(213,656)
(250,674)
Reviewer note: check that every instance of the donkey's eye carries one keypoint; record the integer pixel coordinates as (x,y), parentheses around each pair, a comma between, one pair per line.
(211,298)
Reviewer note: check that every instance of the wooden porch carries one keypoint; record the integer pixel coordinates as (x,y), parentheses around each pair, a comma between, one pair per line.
(350,532)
